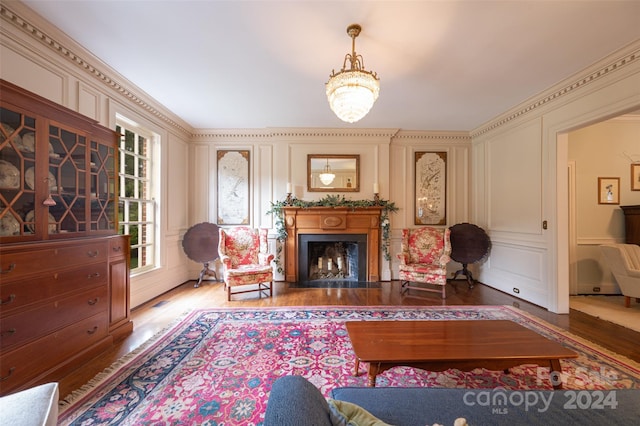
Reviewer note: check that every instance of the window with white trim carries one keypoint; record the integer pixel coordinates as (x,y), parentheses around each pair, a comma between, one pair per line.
(137,204)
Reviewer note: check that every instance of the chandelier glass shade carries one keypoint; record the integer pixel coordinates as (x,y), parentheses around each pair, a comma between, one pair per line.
(352,91)
(327,177)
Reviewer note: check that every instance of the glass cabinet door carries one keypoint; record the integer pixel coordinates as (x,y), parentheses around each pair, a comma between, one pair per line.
(17,174)
(67,180)
(58,171)
(103,193)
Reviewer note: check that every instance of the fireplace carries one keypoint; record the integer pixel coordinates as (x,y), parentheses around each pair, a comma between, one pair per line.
(331,233)
(332,257)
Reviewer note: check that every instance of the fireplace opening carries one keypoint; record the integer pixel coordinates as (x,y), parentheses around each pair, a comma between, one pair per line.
(332,257)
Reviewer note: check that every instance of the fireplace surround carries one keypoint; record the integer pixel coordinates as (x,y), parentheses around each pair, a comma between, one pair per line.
(332,257)
(338,224)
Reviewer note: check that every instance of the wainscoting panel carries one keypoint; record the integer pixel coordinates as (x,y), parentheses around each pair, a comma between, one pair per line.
(517,270)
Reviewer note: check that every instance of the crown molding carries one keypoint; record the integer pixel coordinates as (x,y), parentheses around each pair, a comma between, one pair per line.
(443,136)
(25,21)
(293,133)
(400,136)
(334,132)
(569,86)
(631,117)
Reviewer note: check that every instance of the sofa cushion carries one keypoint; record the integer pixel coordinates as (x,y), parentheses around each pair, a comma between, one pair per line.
(426,406)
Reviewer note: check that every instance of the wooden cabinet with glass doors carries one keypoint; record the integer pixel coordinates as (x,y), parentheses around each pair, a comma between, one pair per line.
(58,224)
(57,172)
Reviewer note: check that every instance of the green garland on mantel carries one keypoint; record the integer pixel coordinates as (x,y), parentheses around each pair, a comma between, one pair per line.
(277,210)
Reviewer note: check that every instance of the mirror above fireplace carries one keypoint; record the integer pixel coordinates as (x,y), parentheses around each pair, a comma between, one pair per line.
(333,173)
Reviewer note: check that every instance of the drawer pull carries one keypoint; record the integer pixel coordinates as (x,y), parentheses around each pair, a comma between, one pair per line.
(94,275)
(93,253)
(93,330)
(11,268)
(9,332)
(8,300)
(93,301)
(11,370)
(117,249)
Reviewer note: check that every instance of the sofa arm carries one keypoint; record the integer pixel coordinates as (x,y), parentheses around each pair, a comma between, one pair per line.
(37,406)
(295,401)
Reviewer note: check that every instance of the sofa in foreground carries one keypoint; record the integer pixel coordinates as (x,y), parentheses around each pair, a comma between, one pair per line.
(36,406)
(294,401)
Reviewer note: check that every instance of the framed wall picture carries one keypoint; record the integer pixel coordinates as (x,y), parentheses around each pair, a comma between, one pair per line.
(608,190)
(233,187)
(431,188)
(635,177)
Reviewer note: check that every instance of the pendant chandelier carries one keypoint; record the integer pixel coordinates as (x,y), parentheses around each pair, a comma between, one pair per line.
(327,176)
(352,92)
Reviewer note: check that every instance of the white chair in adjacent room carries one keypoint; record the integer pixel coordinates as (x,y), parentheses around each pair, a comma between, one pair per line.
(624,262)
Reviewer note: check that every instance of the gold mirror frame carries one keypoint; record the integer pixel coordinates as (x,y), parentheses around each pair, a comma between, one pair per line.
(345,167)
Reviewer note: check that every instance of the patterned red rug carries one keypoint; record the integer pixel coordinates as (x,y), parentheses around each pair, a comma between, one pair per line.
(216,366)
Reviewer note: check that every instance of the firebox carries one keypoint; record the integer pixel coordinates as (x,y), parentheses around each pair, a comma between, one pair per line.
(332,257)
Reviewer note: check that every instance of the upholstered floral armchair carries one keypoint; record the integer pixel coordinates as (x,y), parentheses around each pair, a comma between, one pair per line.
(245,259)
(424,258)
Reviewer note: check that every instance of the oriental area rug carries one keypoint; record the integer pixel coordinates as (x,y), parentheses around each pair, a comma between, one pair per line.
(217,366)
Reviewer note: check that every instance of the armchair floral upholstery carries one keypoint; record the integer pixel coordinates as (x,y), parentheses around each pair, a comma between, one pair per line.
(424,258)
(245,259)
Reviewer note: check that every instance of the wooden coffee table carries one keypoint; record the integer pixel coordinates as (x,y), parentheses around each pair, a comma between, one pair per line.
(440,345)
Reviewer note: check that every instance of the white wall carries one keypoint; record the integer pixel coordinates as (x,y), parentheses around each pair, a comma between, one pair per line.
(279,156)
(520,176)
(512,213)
(602,150)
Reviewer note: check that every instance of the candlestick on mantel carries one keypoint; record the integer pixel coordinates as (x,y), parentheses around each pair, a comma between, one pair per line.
(376,193)
(289,191)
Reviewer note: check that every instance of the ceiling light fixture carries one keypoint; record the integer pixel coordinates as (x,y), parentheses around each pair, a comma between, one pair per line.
(352,92)
(326,177)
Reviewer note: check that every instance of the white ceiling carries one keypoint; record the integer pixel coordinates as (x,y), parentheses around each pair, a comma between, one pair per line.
(443,65)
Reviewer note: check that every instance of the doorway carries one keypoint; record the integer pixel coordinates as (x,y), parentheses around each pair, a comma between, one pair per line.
(591,224)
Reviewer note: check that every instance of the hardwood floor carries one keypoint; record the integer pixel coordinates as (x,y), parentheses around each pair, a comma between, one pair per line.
(153,316)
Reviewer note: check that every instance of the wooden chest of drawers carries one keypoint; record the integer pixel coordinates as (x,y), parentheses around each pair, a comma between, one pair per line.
(61,303)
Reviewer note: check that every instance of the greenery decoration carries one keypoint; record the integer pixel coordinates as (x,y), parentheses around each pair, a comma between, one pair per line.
(277,210)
